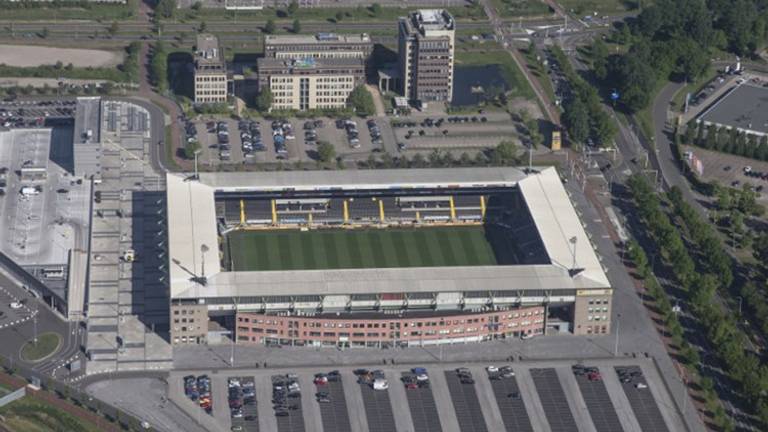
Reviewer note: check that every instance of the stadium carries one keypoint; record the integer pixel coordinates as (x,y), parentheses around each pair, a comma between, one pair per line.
(379,258)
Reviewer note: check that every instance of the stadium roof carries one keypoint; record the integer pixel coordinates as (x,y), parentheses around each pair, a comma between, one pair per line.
(191,229)
(361,179)
(192,217)
(744,108)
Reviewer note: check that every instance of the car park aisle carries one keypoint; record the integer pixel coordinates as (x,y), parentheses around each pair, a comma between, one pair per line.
(309,406)
(487,400)
(357,410)
(403,421)
(553,400)
(641,399)
(578,405)
(219,400)
(619,400)
(531,400)
(379,406)
(267,420)
(466,406)
(421,403)
(510,401)
(333,403)
(595,396)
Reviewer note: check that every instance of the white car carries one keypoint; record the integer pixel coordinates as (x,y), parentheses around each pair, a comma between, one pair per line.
(527,336)
(641,386)
(16,305)
(492,369)
(380,384)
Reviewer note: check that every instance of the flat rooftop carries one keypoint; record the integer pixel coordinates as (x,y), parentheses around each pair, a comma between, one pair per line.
(744,108)
(362,179)
(207,50)
(305,63)
(318,38)
(573,262)
(432,19)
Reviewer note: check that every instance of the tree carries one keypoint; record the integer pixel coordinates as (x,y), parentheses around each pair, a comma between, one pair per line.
(270,27)
(376,9)
(114,28)
(600,59)
(264,100)
(326,151)
(166,8)
(505,153)
(534,133)
(339,16)
(576,119)
(296,28)
(44,33)
(196,6)
(203,26)
(603,128)
(361,101)
(292,7)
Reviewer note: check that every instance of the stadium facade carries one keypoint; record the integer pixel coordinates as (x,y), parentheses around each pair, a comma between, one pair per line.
(546,278)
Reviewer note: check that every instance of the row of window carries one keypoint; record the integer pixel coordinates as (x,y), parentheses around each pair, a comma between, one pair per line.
(208,78)
(596,310)
(597,329)
(597,318)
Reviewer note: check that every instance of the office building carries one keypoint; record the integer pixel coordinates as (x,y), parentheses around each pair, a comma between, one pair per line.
(426,55)
(210,71)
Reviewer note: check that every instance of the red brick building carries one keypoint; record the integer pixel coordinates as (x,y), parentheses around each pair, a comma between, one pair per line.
(387,330)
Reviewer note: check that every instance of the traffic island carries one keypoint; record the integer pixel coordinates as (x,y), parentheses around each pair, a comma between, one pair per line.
(47,344)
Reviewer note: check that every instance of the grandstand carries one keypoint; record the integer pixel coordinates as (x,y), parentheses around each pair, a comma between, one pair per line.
(313,243)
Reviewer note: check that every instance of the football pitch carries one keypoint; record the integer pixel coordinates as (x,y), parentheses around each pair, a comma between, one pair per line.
(359,248)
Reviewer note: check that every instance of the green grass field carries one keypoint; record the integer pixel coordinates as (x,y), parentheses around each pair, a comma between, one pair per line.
(361,248)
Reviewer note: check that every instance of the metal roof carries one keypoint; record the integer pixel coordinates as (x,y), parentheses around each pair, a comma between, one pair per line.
(361,179)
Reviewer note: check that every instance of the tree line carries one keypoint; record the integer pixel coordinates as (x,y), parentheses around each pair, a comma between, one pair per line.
(673,39)
(726,140)
(699,283)
(584,116)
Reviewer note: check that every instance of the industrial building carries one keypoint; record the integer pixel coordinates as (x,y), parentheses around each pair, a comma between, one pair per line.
(745,108)
(426,55)
(549,281)
(210,71)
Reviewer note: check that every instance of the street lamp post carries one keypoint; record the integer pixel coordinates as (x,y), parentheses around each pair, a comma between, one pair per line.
(740,300)
(618,327)
(197,174)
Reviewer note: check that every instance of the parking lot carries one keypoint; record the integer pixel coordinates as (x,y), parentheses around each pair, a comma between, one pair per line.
(28,112)
(596,397)
(523,396)
(641,399)
(242,404)
(469,415)
(510,401)
(232,144)
(731,170)
(227,142)
(553,400)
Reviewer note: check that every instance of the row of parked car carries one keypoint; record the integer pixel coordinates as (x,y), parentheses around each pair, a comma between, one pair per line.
(250,137)
(282,130)
(310,131)
(418,378)
(353,135)
(221,129)
(240,395)
(286,394)
(375,132)
(375,379)
(322,379)
(198,389)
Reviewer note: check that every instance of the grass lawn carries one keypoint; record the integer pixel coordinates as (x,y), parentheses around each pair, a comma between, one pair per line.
(329,14)
(360,248)
(517,8)
(29,415)
(47,344)
(602,7)
(512,74)
(92,12)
